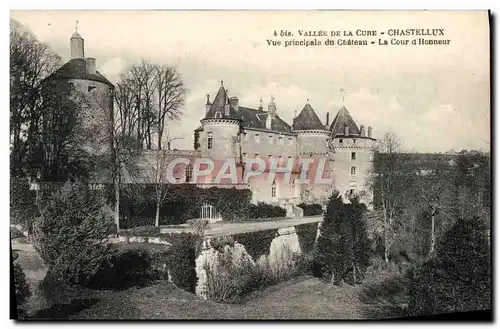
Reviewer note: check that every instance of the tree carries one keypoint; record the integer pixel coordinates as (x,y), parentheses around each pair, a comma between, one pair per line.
(148,96)
(390,179)
(71,234)
(30,63)
(458,279)
(343,250)
(433,189)
(62,148)
(360,252)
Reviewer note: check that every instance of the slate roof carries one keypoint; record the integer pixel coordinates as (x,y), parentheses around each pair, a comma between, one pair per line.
(307,120)
(77,69)
(250,118)
(342,119)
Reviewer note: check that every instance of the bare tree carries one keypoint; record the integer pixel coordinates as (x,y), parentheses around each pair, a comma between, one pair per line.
(170,96)
(389,179)
(30,63)
(148,96)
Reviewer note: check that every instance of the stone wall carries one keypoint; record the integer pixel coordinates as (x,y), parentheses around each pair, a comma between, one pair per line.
(281,252)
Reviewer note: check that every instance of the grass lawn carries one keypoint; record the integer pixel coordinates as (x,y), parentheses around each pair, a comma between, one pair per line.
(302,298)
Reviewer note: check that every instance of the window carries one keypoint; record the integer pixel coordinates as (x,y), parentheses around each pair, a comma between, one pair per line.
(273,190)
(341,141)
(353,170)
(257,138)
(352,189)
(218,114)
(210,141)
(90,88)
(281,140)
(295,189)
(290,141)
(353,156)
(354,141)
(189,173)
(270,139)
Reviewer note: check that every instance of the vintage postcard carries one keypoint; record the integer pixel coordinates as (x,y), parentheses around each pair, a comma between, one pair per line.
(250,165)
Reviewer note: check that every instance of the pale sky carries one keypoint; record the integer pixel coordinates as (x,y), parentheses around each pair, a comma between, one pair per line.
(435,98)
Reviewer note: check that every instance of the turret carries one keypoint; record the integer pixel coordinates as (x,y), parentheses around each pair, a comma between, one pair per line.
(77,46)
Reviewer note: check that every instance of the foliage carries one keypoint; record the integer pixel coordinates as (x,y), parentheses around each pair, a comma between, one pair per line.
(230,280)
(313,209)
(343,250)
(181,203)
(22,202)
(30,63)
(22,288)
(307,236)
(264,210)
(458,279)
(182,261)
(256,243)
(71,233)
(15,233)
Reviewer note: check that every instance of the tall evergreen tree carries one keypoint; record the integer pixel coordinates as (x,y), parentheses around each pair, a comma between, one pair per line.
(458,278)
(342,251)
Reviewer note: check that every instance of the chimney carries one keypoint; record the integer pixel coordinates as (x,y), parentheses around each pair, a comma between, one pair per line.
(346,130)
(327,119)
(91,66)
(207,105)
(269,122)
(234,101)
(370,131)
(226,107)
(260,105)
(271,108)
(362,131)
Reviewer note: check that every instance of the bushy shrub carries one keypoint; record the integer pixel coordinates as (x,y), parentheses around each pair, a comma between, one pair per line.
(22,289)
(458,279)
(264,210)
(22,202)
(343,250)
(230,280)
(256,243)
(306,234)
(182,261)
(313,209)
(71,233)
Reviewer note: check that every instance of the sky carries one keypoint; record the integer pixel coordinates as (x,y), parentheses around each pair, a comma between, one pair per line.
(434,98)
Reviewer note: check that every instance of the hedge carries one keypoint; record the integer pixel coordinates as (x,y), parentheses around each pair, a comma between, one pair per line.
(313,209)
(256,243)
(182,202)
(140,264)
(307,236)
(264,210)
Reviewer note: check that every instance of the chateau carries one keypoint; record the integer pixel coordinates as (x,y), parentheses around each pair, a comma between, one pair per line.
(338,153)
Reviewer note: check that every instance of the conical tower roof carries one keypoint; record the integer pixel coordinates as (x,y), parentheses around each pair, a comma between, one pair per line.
(342,119)
(307,120)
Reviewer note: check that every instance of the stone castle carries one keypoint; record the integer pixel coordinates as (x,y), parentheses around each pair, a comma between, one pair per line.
(230,130)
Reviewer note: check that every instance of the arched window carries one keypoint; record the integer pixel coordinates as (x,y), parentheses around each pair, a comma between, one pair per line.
(189,173)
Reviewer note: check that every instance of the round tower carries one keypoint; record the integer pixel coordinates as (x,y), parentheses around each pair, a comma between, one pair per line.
(221,127)
(353,156)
